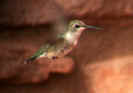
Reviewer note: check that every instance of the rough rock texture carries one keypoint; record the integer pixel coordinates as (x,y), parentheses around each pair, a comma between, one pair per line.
(101,63)
(33,12)
(17,46)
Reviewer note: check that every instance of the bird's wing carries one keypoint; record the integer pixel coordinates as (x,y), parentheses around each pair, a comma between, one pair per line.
(41,52)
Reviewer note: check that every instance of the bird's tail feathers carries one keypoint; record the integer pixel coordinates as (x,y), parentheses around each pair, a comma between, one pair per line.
(40,53)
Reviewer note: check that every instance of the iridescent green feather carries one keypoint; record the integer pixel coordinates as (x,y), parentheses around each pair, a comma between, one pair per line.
(39,53)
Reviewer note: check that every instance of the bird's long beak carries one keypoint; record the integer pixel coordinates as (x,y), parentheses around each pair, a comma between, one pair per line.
(91,27)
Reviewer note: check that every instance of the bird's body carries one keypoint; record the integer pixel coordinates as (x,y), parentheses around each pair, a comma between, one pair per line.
(59,49)
(64,44)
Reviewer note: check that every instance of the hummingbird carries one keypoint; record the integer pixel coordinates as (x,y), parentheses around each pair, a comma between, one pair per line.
(65,42)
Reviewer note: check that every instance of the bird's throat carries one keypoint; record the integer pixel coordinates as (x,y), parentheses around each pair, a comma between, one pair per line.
(72,37)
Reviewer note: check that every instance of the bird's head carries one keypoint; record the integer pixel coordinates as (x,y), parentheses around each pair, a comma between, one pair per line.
(77,25)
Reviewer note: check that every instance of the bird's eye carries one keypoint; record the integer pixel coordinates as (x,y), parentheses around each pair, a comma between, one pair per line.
(77,26)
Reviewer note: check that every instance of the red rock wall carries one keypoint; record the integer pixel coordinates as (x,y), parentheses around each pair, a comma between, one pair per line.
(39,12)
(101,63)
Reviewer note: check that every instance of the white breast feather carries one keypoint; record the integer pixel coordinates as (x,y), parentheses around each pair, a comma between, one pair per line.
(70,37)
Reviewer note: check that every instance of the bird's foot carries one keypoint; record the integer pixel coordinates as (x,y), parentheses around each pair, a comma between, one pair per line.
(54,57)
(28,61)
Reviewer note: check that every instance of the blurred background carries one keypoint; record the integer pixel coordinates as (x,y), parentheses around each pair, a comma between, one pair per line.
(101,63)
